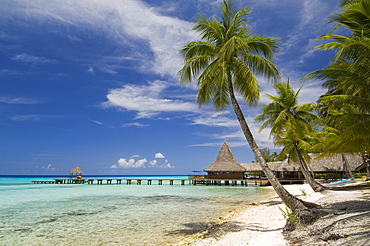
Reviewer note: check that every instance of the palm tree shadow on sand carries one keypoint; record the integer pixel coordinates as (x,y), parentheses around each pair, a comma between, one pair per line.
(344,223)
(209,230)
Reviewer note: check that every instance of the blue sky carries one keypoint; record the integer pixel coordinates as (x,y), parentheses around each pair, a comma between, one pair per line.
(93,83)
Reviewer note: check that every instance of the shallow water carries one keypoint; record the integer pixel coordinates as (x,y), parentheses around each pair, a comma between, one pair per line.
(82,214)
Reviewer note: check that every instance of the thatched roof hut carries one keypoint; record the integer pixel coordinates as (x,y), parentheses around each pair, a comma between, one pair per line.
(226,166)
(76,170)
(322,165)
(225,161)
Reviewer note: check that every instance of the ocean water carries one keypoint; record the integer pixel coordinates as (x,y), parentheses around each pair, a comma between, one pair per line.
(116,214)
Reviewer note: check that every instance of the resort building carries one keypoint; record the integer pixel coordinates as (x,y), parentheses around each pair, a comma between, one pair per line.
(226,167)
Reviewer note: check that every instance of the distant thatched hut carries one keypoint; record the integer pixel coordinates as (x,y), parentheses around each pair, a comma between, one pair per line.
(76,171)
(290,170)
(225,166)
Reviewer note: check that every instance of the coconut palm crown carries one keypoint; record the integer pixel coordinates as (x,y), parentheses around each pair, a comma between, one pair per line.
(227,53)
(291,126)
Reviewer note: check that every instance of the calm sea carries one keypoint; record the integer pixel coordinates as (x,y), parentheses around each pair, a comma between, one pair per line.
(82,214)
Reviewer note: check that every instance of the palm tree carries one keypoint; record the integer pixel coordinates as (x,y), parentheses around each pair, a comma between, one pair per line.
(354,16)
(348,78)
(291,127)
(226,60)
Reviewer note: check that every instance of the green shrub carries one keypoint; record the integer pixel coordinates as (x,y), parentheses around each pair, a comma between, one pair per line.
(327,176)
(318,176)
(359,175)
(304,193)
(288,214)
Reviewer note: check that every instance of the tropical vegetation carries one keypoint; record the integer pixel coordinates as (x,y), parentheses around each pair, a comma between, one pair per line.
(291,127)
(346,105)
(227,61)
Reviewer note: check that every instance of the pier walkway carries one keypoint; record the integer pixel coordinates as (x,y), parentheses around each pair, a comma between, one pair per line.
(192,181)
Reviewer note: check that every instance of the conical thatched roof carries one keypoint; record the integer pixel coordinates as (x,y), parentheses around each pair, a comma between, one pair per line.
(76,170)
(225,161)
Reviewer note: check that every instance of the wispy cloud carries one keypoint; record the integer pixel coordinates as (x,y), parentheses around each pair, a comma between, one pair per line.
(29,117)
(215,119)
(97,122)
(146,100)
(135,124)
(50,167)
(9,72)
(35,60)
(35,117)
(90,70)
(132,24)
(18,100)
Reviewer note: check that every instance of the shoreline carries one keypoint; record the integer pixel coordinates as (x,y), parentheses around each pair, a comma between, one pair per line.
(262,223)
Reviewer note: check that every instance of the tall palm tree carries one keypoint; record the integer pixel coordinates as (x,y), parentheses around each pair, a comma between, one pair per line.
(226,61)
(291,126)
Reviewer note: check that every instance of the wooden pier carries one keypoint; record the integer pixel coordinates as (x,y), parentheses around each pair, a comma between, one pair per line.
(43,181)
(112,181)
(191,181)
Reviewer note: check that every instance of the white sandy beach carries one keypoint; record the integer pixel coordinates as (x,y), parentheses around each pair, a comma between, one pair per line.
(262,224)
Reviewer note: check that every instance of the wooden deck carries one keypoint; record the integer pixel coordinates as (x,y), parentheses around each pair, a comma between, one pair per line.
(191,181)
(120,181)
(43,181)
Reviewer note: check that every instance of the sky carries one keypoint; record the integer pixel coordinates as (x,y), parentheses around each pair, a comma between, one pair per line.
(94,83)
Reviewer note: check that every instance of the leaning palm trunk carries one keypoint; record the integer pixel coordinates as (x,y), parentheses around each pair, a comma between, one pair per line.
(346,167)
(301,209)
(306,173)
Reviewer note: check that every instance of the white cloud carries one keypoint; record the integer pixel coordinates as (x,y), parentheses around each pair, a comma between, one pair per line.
(134,162)
(153,163)
(130,23)
(146,100)
(159,155)
(166,164)
(131,163)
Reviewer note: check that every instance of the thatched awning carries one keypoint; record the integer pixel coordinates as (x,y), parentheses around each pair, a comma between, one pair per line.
(326,164)
(76,170)
(335,163)
(225,161)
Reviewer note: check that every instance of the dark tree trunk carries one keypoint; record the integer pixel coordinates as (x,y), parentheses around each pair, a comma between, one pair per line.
(346,167)
(301,209)
(306,173)
(366,158)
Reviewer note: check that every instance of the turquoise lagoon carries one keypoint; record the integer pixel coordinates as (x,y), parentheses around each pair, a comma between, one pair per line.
(85,214)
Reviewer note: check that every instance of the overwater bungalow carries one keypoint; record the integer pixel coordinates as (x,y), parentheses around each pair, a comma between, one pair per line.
(226,167)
